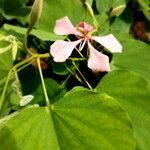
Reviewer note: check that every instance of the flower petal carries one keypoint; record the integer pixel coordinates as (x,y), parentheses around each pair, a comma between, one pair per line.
(110,42)
(97,61)
(61,50)
(64,26)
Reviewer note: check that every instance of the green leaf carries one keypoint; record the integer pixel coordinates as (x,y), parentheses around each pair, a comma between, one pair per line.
(6,63)
(135,57)
(54,90)
(133,93)
(16,9)
(124,21)
(81,120)
(105,6)
(19,32)
(53,10)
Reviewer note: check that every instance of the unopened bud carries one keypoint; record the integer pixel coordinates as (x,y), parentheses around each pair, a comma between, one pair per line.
(35,13)
(117,10)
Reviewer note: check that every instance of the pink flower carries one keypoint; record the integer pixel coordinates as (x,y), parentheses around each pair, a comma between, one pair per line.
(61,50)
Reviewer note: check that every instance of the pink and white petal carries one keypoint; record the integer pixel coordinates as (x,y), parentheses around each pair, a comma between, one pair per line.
(97,61)
(109,42)
(64,26)
(61,50)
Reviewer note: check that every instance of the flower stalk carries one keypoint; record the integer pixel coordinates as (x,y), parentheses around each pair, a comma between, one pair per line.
(43,84)
(89,86)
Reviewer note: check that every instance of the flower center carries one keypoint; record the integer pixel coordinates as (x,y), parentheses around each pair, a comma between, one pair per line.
(84,30)
(84,33)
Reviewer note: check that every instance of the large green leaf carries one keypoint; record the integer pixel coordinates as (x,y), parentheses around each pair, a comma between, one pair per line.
(81,120)
(133,93)
(135,57)
(53,10)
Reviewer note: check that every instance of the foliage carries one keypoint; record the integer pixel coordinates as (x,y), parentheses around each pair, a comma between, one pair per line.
(65,104)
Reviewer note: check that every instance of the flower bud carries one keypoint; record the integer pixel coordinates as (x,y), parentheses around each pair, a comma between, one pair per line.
(35,13)
(117,10)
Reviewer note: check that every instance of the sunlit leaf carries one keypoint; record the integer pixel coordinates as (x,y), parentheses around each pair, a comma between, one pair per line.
(53,10)
(81,120)
(133,93)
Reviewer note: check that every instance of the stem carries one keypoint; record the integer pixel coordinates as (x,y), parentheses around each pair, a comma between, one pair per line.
(90,87)
(79,52)
(75,75)
(46,55)
(66,80)
(31,58)
(26,65)
(23,62)
(77,59)
(25,44)
(43,84)
(90,11)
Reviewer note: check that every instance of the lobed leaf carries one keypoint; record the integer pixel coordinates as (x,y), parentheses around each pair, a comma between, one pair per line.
(81,120)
